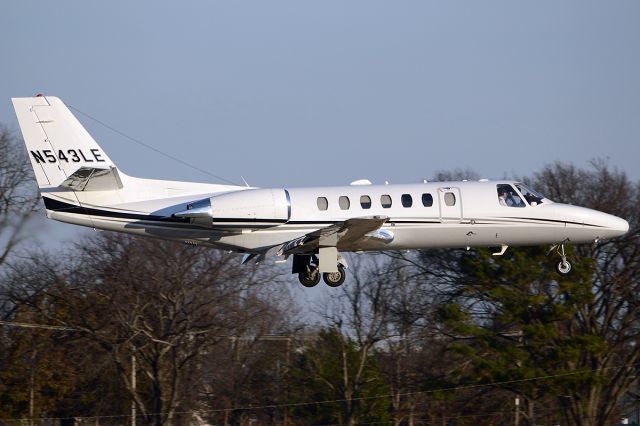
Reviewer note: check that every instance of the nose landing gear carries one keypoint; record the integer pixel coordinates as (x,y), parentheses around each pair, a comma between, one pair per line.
(563,267)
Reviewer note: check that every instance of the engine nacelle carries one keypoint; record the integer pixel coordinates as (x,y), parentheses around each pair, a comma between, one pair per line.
(250,208)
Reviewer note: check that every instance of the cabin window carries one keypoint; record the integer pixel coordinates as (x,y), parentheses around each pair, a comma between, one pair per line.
(406,200)
(344,203)
(449,199)
(323,204)
(427,200)
(385,200)
(365,201)
(508,197)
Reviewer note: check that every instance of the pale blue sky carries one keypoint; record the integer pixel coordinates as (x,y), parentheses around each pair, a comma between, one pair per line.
(314,93)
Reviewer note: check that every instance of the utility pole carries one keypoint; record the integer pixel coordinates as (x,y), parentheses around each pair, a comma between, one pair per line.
(517,402)
(286,391)
(133,387)
(32,379)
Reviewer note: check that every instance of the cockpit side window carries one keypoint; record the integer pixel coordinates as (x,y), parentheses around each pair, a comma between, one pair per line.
(508,197)
(533,198)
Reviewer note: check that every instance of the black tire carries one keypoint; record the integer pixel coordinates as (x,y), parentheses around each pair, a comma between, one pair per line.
(564,267)
(335,279)
(309,279)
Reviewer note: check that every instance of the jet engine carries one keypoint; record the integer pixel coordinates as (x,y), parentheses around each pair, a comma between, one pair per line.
(250,208)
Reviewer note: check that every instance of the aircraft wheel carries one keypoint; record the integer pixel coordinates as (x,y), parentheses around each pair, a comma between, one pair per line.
(563,267)
(335,279)
(310,278)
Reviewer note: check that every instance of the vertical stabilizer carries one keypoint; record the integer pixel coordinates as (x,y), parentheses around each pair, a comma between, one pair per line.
(58,146)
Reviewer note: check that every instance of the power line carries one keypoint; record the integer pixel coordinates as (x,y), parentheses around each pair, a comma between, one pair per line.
(538,411)
(139,142)
(333,401)
(32,325)
(263,337)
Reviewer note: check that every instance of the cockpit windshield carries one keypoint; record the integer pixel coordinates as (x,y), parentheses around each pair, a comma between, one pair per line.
(533,198)
(507,196)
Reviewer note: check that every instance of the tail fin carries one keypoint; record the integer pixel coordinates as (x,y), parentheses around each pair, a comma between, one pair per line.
(61,151)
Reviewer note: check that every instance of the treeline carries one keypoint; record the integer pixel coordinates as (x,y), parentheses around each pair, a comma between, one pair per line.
(171,334)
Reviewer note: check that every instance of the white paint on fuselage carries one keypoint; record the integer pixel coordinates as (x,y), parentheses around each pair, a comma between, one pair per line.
(476,220)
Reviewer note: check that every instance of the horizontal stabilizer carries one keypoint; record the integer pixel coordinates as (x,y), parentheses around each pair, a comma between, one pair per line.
(93,179)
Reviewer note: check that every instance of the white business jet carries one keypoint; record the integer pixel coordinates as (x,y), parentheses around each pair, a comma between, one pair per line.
(81,185)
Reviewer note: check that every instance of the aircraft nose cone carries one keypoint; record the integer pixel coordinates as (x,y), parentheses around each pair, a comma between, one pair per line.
(592,224)
(619,225)
(613,226)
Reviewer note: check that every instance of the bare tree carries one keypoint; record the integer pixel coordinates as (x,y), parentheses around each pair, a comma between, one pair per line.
(163,303)
(249,368)
(409,344)
(18,201)
(359,320)
(18,197)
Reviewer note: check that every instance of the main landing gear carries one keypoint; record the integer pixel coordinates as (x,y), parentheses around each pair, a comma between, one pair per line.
(335,279)
(563,267)
(310,277)
(307,268)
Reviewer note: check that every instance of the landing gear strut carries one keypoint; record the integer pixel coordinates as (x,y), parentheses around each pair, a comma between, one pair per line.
(563,267)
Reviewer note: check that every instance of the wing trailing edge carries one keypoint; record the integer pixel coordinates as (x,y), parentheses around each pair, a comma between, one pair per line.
(345,234)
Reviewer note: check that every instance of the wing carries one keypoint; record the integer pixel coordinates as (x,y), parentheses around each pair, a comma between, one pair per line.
(342,235)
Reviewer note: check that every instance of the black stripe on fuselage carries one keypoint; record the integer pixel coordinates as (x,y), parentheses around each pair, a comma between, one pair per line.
(61,206)
(558,221)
